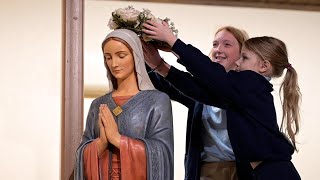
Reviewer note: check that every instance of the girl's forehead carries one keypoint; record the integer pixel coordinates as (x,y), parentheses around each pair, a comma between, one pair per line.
(224,35)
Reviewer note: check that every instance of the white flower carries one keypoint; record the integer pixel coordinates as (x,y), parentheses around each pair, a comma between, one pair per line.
(146,15)
(154,19)
(146,10)
(130,18)
(137,24)
(158,20)
(112,24)
(128,14)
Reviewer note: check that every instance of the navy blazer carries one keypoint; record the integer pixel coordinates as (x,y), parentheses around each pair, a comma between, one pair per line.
(252,123)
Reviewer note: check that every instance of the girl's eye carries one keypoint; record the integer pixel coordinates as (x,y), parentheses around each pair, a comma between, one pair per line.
(108,58)
(215,44)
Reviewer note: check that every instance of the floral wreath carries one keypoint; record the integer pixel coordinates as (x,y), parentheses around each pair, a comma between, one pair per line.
(130,18)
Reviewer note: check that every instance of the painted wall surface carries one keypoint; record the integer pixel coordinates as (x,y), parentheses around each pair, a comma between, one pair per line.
(30,76)
(197,25)
(30,107)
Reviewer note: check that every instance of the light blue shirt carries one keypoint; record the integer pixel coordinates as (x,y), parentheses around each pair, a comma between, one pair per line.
(217,146)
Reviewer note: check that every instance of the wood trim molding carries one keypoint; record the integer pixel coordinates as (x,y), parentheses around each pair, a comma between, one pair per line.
(94,91)
(305,5)
(72,88)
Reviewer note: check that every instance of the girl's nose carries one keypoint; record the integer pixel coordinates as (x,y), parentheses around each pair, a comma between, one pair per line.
(219,48)
(238,62)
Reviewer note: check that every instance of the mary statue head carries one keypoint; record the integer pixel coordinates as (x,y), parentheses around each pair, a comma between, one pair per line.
(132,44)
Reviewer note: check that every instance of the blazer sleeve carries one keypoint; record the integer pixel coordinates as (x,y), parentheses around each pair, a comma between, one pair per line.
(165,86)
(192,87)
(213,78)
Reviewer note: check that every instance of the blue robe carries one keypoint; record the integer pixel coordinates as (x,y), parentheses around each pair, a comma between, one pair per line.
(148,117)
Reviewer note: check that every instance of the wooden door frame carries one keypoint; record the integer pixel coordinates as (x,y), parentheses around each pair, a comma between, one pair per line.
(72,84)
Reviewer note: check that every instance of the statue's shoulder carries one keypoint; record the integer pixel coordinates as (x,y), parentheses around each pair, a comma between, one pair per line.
(157,96)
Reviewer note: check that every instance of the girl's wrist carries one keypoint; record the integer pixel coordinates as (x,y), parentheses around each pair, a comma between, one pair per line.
(163,69)
(171,40)
(159,65)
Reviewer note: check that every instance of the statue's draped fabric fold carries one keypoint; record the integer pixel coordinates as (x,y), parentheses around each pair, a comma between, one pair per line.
(146,145)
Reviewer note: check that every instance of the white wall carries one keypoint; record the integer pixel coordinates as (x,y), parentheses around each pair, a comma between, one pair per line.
(196,25)
(30,77)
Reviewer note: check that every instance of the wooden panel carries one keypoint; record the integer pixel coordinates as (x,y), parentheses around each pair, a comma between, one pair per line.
(307,5)
(94,91)
(72,102)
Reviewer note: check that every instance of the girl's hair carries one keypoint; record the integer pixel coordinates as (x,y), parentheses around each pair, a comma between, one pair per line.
(113,79)
(275,51)
(239,34)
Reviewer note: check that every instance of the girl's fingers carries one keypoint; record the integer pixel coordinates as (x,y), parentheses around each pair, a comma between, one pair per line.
(165,24)
(149,27)
(152,23)
(149,32)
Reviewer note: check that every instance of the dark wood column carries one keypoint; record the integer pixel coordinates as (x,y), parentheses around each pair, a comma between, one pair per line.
(72,88)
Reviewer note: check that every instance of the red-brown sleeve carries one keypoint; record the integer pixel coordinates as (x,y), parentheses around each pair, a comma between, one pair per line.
(92,161)
(133,159)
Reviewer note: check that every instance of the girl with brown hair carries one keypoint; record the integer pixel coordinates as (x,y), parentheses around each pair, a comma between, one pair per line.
(262,151)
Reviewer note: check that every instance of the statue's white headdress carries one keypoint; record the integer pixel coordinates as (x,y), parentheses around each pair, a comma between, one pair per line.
(144,82)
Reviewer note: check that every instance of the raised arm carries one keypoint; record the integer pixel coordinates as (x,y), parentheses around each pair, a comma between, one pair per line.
(179,85)
(184,82)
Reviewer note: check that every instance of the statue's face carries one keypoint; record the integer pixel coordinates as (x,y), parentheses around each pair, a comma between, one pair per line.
(119,60)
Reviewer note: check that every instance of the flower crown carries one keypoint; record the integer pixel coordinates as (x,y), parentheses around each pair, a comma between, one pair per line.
(130,18)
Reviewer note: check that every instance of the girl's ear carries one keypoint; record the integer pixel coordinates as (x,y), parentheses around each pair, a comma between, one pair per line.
(265,67)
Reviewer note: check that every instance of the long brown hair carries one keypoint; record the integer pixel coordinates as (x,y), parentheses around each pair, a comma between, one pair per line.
(275,51)
(113,79)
